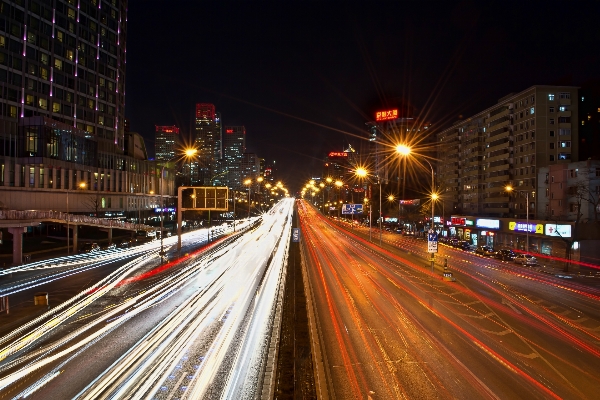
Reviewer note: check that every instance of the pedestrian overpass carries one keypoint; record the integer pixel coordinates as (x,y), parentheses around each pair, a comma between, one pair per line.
(17,222)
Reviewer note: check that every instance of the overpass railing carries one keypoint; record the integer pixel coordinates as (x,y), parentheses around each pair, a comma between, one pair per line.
(71,218)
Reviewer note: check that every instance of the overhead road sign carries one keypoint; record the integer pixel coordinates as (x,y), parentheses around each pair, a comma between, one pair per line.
(352,208)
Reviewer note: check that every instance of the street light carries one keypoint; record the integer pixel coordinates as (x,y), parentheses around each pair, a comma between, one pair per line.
(80,186)
(190,153)
(248,182)
(404,151)
(509,189)
(362,173)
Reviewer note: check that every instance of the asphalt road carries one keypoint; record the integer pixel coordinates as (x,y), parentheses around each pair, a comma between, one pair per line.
(142,326)
(389,328)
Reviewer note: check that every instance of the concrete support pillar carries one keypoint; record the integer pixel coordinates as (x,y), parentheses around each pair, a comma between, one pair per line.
(18,175)
(74,236)
(17,234)
(7,172)
(47,177)
(109,235)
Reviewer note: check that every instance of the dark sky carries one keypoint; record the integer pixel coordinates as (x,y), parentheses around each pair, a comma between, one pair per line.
(303,77)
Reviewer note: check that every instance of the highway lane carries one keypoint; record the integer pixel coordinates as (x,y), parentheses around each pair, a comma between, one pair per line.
(391,327)
(179,318)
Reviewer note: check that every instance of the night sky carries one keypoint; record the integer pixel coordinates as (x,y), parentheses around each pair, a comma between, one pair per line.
(304,77)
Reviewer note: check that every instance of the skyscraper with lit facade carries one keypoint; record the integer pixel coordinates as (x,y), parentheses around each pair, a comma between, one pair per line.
(166,142)
(234,146)
(208,132)
(62,80)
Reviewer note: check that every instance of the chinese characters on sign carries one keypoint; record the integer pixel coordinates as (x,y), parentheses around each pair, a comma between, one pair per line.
(386,115)
(338,154)
(432,242)
(522,227)
(558,230)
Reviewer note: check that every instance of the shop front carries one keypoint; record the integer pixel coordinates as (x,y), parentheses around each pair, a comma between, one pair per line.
(486,231)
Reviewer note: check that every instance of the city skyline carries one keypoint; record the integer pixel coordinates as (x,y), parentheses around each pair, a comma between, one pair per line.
(304,83)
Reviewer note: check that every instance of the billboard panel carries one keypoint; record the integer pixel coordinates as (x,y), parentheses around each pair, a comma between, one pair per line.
(214,198)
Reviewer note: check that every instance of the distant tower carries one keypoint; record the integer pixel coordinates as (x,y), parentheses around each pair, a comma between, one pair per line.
(234,146)
(208,132)
(166,141)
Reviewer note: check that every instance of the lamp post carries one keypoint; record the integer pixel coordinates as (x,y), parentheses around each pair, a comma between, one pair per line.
(510,189)
(249,183)
(404,151)
(80,186)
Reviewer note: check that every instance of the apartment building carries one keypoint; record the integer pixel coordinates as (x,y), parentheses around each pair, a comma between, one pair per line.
(506,145)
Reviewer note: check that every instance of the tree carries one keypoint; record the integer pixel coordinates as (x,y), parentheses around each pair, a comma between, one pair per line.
(94,203)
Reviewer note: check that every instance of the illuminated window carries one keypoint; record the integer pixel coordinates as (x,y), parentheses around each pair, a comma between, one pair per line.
(551,97)
(55,107)
(532,110)
(102,82)
(3,44)
(43,103)
(582,122)
(29,100)
(44,73)
(44,58)
(59,36)
(91,104)
(566,143)
(564,156)
(71,13)
(69,54)
(100,120)
(58,64)
(31,38)
(12,111)
(562,108)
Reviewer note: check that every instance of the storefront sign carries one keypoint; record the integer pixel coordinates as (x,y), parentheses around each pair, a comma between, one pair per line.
(558,230)
(522,227)
(458,221)
(468,222)
(414,202)
(488,223)
(467,234)
(166,209)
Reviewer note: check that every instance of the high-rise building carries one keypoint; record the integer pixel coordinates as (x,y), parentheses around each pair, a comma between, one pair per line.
(208,132)
(234,146)
(166,142)
(250,167)
(62,76)
(507,144)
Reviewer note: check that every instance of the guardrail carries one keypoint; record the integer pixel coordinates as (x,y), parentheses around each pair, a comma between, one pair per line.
(71,218)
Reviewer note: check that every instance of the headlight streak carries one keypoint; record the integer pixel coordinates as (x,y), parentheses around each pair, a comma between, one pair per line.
(243,381)
(101,383)
(114,277)
(129,308)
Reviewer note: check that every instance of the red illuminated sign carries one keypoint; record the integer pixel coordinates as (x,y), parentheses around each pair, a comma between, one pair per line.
(338,154)
(458,221)
(386,115)
(167,129)
(229,131)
